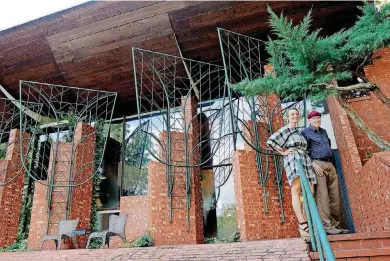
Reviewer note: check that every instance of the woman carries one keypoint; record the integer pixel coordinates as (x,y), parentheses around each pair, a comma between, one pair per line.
(292,145)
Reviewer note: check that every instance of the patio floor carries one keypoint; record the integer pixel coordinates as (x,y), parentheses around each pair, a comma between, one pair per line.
(266,250)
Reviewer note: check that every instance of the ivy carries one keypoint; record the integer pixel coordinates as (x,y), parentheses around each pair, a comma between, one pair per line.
(99,153)
(144,241)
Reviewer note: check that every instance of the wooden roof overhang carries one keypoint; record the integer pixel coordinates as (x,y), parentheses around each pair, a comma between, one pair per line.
(89,46)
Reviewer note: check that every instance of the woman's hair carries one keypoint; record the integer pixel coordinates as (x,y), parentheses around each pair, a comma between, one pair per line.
(292,109)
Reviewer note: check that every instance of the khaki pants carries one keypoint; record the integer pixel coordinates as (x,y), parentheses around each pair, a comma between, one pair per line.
(327,195)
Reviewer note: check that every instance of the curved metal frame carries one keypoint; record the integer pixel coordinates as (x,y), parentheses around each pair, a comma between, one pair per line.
(10,119)
(242,61)
(62,108)
(167,84)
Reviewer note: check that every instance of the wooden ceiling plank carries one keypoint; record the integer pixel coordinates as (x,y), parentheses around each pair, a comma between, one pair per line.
(204,8)
(67,20)
(253,19)
(115,61)
(39,26)
(122,31)
(245,16)
(31,74)
(115,21)
(164,29)
(158,43)
(118,68)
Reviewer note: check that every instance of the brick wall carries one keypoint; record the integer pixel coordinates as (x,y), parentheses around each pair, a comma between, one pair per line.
(11,194)
(253,222)
(84,168)
(364,184)
(137,224)
(81,196)
(346,144)
(39,217)
(162,229)
(369,195)
(370,108)
(39,214)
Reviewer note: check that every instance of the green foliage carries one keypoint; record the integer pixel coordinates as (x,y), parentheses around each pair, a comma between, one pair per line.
(235,237)
(17,246)
(3,150)
(95,243)
(25,211)
(116,132)
(72,122)
(302,59)
(99,152)
(135,179)
(227,222)
(144,241)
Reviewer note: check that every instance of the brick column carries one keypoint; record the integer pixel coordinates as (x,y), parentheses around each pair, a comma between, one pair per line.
(253,222)
(39,217)
(11,194)
(81,196)
(137,224)
(162,230)
(369,192)
(83,169)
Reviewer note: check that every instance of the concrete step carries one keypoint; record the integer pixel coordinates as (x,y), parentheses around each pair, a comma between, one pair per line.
(265,250)
(360,241)
(369,254)
(373,246)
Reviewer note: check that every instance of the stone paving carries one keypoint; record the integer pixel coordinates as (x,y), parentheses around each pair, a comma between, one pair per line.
(266,250)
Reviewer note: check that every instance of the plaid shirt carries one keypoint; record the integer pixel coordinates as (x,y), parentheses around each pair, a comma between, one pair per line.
(286,138)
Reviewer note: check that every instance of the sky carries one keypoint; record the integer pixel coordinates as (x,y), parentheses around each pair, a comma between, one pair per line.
(16,12)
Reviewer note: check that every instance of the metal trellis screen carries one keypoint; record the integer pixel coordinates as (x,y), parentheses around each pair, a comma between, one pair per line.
(69,119)
(254,118)
(186,105)
(10,122)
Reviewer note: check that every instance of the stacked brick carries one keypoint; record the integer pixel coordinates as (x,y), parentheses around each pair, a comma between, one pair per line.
(253,222)
(39,218)
(11,194)
(81,196)
(367,185)
(369,106)
(370,194)
(137,225)
(83,169)
(177,231)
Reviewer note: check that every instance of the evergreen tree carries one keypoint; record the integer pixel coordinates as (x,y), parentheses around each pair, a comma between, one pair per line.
(306,63)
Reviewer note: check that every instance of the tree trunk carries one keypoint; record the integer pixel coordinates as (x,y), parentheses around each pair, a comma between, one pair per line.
(381,96)
(380,142)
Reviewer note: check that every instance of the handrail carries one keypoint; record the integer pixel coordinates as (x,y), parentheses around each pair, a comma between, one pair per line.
(319,239)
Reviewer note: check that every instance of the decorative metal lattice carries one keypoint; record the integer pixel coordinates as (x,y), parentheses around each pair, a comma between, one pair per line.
(254,118)
(68,139)
(11,166)
(189,121)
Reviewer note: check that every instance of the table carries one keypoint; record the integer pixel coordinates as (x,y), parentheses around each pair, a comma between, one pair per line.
(79,232)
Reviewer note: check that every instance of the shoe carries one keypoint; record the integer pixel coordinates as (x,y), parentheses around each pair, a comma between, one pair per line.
(343,230)
(333,231)
(304,230)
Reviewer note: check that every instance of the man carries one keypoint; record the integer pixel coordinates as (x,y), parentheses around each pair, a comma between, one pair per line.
(327,188)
